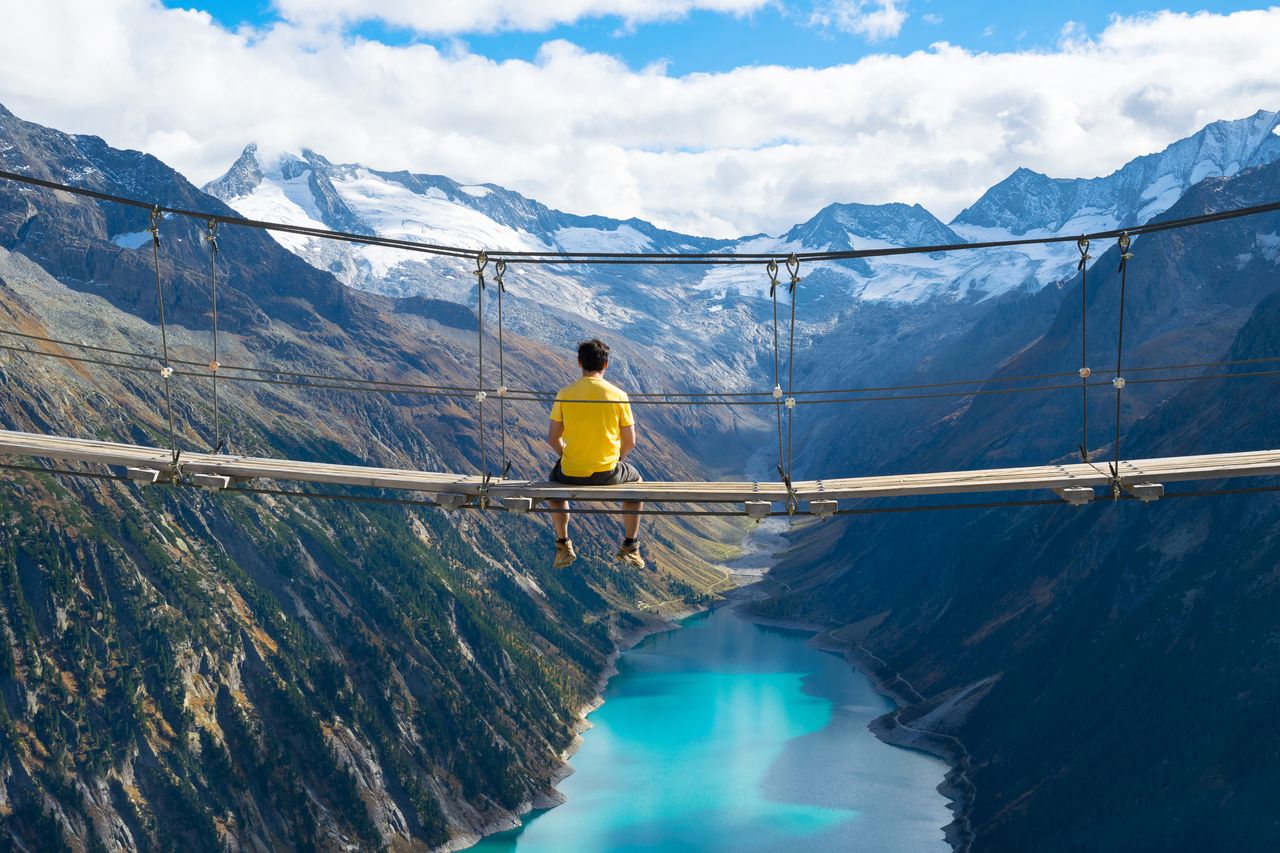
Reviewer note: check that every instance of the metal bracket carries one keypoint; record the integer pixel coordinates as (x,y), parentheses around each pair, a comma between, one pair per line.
(143,476)
(520,506)
(1145,492)
(823,509)
(757,509)
(1076,495)
(451,500)
(211,482)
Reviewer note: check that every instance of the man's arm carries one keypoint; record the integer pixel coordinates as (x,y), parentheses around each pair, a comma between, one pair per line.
(555,437)
(627,435)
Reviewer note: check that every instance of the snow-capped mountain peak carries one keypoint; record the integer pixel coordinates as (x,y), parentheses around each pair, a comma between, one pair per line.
(838,226)
(1028,202)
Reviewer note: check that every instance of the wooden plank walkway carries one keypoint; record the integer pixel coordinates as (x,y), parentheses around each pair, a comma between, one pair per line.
(1137,475)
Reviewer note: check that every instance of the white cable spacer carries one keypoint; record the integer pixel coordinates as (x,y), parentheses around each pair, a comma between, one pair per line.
(791,402)
(1085,373)
(501,391)
(1118,382)
(777,392)
(166,372)
(480,395)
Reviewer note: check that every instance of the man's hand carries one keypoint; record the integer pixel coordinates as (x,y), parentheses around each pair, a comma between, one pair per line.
(555,437)
(628,438)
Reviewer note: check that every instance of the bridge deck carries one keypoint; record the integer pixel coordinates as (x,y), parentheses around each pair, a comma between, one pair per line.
(1035,478)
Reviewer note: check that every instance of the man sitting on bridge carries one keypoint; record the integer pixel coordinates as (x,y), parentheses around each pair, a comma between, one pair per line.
(592,440)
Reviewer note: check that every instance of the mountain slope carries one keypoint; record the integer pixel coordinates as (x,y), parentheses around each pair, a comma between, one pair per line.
(262,672)
(1103,667)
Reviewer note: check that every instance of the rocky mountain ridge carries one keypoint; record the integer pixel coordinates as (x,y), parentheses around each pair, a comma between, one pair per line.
(227,671)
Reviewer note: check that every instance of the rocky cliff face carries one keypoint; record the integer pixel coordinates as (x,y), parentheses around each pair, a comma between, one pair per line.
(1105,667)
(228,671)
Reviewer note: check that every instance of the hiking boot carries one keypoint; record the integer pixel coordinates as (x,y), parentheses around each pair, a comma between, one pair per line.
(565,555)
(629,555)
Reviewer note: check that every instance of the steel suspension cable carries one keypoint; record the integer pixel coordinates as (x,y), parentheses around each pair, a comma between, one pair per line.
(1083,245)
(211,237)
(696,258)
(499,270)
(772,268)
(793,267)
(166,372)
(1118,382)
(481,262)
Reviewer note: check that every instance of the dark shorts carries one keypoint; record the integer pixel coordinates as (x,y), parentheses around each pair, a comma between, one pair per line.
(624,472)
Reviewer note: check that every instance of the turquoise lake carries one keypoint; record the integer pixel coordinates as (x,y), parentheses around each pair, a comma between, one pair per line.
(727,735)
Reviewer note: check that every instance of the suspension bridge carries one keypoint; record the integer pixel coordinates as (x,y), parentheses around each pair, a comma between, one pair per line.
(1074,483)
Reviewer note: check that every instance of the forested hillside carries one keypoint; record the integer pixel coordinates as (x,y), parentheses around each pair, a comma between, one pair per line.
(208,671)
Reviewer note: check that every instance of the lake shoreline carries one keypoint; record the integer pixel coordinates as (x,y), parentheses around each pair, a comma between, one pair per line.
(750,568)
(955,786)
(550,797)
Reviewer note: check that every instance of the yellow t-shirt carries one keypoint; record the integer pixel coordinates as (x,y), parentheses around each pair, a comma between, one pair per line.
(592,431)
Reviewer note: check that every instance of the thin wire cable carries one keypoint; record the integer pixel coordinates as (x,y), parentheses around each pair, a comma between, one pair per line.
(500,269)
(211,237)
(793,266)
(470,393)
(697,258)
(527,395)
(777,363)
(166,372)
(481,262)
(1118,381)
(1083,245)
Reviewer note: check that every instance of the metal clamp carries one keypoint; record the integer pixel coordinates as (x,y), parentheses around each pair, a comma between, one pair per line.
(451,500)
(1076,495)
(823,509)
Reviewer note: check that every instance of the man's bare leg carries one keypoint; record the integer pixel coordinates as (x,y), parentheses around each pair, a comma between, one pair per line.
(631,521)
(565,555)
(560,518)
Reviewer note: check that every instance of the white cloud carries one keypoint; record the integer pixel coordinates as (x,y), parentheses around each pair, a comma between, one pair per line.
(752,149)
(470,16)
(876,20)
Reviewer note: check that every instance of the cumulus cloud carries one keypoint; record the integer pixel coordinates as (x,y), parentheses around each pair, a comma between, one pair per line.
(453,17)
(875,21)
(753,149)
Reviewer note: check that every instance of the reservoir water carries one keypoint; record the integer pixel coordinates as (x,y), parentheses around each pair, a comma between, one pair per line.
(727,735)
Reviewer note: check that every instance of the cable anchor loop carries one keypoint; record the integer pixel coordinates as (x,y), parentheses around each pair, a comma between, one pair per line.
(772,269)
(1083,245)
(499,270)
(793,267)
(482,261)
(211,235)
(154,225)
(1125,255)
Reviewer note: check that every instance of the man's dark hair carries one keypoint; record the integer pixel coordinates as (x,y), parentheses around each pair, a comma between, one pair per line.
(593,355)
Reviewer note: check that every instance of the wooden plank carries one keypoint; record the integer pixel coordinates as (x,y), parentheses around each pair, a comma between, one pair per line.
(1028,478)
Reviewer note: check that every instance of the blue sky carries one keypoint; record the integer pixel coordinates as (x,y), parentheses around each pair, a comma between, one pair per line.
(754,122)
(780,34)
